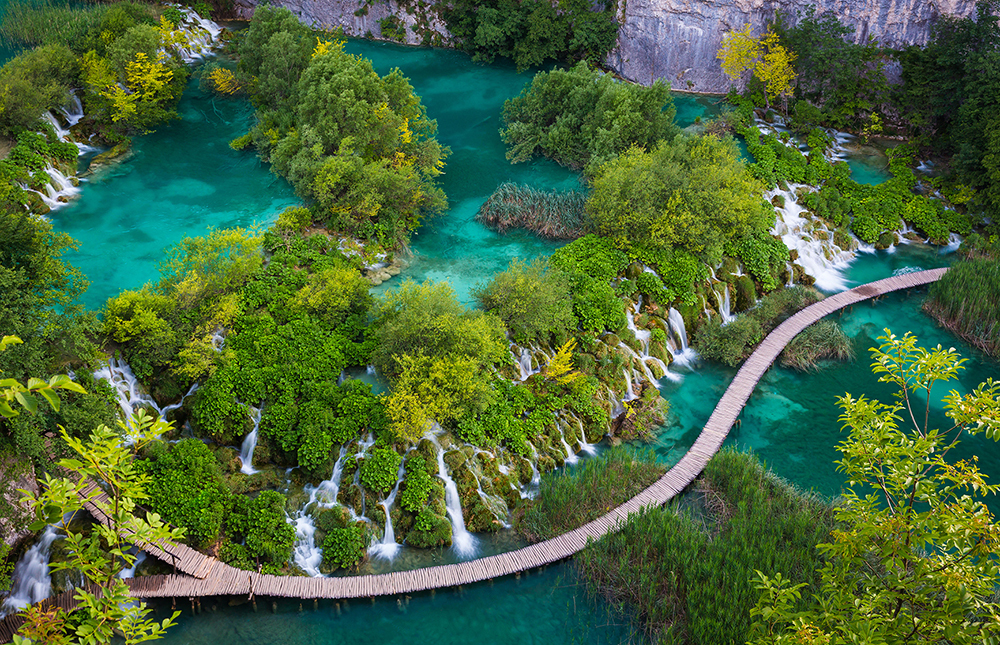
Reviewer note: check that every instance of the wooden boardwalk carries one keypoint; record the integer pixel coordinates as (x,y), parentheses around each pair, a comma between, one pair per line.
(206,576)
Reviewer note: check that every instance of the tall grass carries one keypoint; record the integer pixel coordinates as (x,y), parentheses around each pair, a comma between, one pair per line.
(967,301)
(44,22)
(569,499)
(555,215)
(688,574)
(823,340)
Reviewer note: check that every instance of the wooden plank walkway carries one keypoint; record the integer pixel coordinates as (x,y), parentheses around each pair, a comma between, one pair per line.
(207,576)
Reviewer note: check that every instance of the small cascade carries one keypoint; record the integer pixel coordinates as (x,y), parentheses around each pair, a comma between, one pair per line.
(643,336)
(197,36)
(326,493)
(727,316)
(571,457)
(954,241)
(388,547)
(218,340)
(586,447)
(495,503)
(684,354)
(140,557)
(813,240)
(249,444)
(462,541)
(130,395)
(629,392)
(306,554)
(523,363)
(31,582)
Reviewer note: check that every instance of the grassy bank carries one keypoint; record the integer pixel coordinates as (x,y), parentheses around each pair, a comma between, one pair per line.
(688,573)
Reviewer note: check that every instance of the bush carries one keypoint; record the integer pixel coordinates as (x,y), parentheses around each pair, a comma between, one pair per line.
(344,548)
(261,523)
(417,486)
(33,82)
(186,488)
(533,300)
(380,469)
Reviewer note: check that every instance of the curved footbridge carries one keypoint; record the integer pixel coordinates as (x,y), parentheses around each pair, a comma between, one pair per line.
(201,575)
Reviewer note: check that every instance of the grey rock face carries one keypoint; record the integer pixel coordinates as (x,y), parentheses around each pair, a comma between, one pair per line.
(330,14)
(677,40)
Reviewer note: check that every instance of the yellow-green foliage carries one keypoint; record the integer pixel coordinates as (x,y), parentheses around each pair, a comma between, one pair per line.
(692,193)
(331,293)
(201,267)
(560,366)
(766,57)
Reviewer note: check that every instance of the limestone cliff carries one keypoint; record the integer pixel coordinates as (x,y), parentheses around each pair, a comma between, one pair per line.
(671,39)
(417,21)
(677,39)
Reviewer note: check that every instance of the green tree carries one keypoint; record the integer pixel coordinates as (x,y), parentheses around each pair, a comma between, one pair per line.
(582,117)
(533,300)
(102,553)
(917,558)
(692,193)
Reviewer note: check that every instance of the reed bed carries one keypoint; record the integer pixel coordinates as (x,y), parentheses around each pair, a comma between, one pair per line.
(570,498)
(44,22)
(688,574)
(966,300)
(552,214)
(823,340)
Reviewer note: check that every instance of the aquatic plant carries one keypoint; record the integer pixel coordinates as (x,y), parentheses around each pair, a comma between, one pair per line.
(967,301)
(553,214)
(686,570)
(568,499)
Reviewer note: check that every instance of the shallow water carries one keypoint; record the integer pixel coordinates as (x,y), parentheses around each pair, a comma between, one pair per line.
(546,607)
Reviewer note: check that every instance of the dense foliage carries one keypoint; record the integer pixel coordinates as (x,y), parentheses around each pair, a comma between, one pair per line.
(530,32)
(533,300)
(691,196)
(687,573)
(582,117)
(358,146)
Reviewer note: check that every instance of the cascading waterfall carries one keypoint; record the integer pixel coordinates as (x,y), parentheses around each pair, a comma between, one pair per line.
(643,336)
(724,306)
(523,362)
(31,580)
(130,396)
(496,504)
(305,553)
(571,457)
(200,35)
(818,255)
(586,447)
(684,354)
(462,541)
(630,394)
(388,547)
(249,444)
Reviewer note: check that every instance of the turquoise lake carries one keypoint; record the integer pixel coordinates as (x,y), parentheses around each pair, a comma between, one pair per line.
(184,179)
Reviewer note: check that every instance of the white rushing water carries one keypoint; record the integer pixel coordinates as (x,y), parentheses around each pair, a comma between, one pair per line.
(31,580)
(723,300)
(129,393)
(463,542)
(250,444)
(683,355)
(388,547)
(813,240)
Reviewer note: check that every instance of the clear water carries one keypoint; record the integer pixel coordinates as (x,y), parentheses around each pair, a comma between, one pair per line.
(543,608)
(182,180)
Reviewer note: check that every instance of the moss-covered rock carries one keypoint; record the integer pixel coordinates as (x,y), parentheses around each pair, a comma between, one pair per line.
(430,529)
(611,340)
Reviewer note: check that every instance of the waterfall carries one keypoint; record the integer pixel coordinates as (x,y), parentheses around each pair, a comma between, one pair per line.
(727,316)
(571,457)
(586,447)
(954,241)
(130,396)
(496,504)
(462,541)
(200,34)
(140,557)
(249,443)
(643,336)
(31,582)
(629,392)
(813,240)
(523,362)
(684,354)
(326,493)
(305,554)
(388,547)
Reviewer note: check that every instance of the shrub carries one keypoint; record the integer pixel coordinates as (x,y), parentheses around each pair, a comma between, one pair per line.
(417,486)
(582,117)
(380,469)
(533,300)
(344,548)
